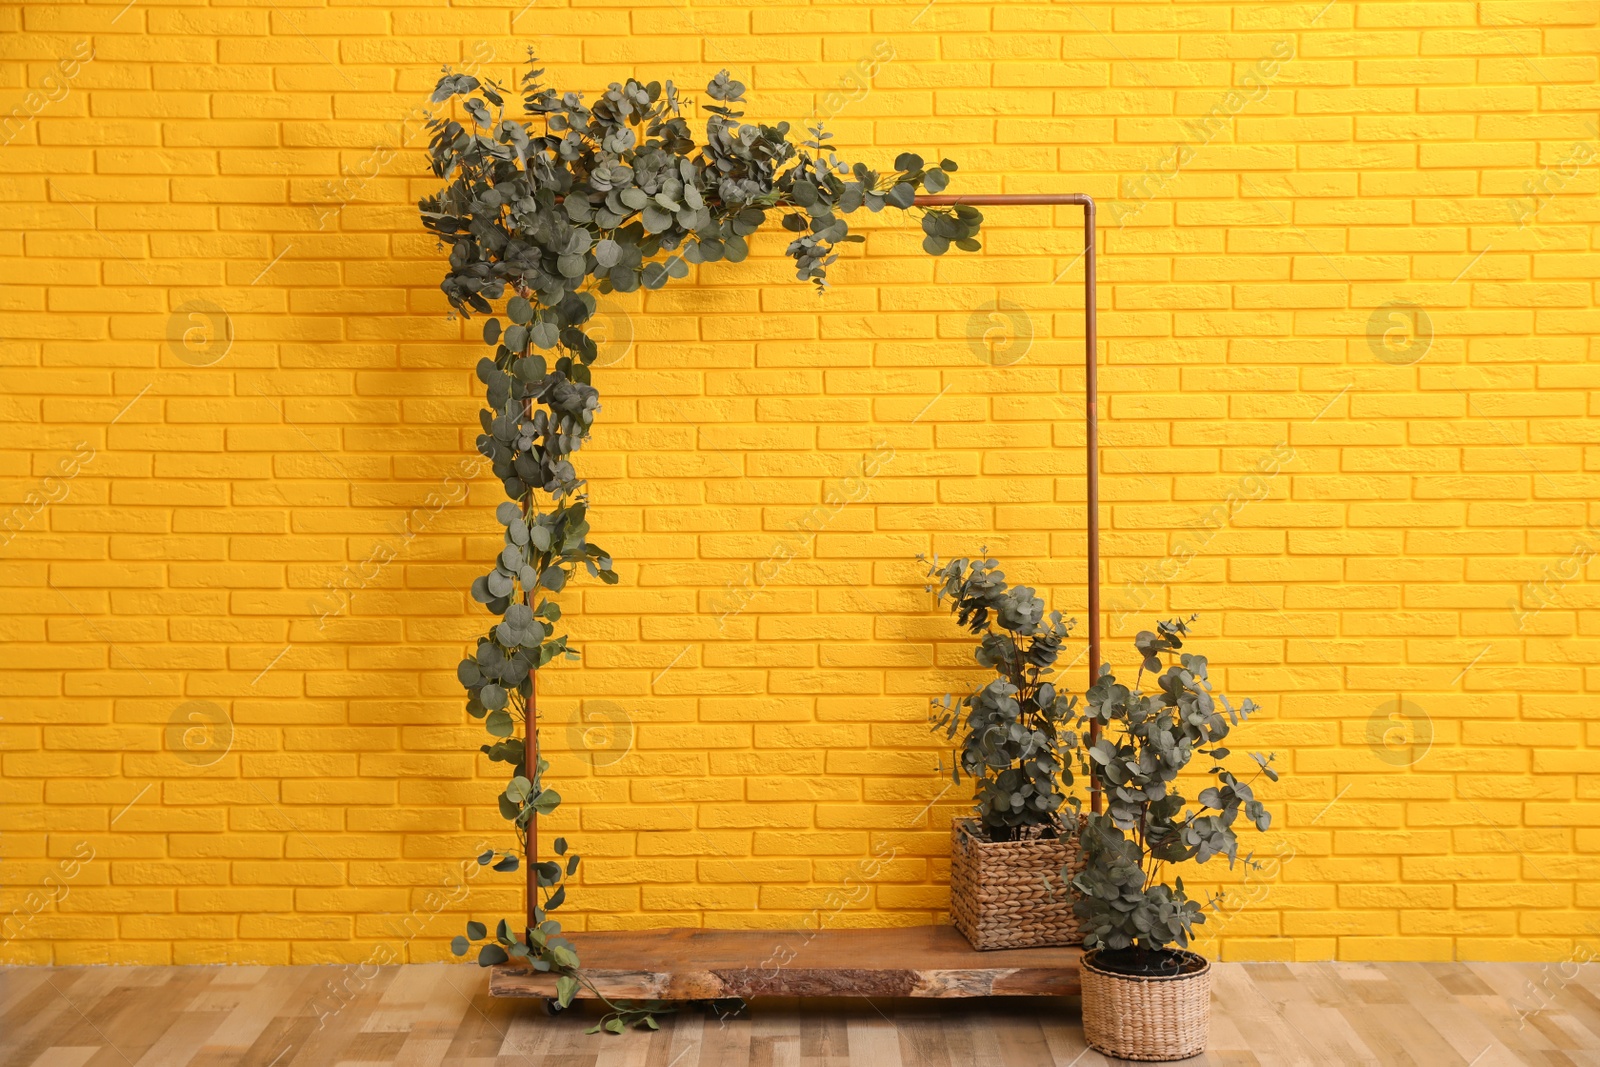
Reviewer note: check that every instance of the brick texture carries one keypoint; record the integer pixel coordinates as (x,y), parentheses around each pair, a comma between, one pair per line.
(1347,308)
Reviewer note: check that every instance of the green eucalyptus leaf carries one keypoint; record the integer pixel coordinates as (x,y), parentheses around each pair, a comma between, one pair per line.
(655,219)
(545,335)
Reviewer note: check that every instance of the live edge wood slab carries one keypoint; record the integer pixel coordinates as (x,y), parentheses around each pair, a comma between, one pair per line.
(918,961)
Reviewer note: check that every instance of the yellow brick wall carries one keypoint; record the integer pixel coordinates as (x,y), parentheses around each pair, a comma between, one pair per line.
(1347,314)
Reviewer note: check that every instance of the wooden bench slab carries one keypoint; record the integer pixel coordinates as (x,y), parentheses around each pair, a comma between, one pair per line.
(916,961)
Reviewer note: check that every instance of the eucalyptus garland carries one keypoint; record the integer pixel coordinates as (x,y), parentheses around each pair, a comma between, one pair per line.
(544,213)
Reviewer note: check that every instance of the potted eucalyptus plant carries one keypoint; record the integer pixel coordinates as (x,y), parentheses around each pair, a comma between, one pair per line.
(541,213)
(1014,739)
(1146,996)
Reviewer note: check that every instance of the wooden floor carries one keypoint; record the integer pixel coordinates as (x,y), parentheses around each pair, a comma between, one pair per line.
(1403,1013)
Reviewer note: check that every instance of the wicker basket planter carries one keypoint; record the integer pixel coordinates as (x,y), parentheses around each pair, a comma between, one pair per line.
(1157,1018)
(998,892)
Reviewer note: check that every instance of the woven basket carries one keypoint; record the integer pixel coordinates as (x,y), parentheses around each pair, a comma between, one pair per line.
(998,895)
(1133,1018)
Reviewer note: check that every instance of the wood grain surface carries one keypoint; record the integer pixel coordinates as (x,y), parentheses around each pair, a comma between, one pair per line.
(916,961)
(1415,1014)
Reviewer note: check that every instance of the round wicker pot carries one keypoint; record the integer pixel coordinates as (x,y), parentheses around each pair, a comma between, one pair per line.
(1009,894)
(1135,1018)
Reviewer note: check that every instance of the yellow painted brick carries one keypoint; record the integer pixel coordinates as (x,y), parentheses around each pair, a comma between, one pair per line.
(776,744)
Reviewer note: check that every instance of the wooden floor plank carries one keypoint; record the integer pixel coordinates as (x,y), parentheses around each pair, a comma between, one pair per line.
(1446,993)
(66,1056)
(1424,1015)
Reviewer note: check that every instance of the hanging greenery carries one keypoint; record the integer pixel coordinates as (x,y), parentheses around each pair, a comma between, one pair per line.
(543,213)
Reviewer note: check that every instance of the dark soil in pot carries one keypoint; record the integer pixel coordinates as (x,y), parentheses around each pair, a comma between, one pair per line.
(1148,963)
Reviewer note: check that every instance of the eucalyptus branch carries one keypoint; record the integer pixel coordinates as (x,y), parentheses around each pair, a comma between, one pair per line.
(1146,742)
(625,1013)
(542,216)
(1015,744)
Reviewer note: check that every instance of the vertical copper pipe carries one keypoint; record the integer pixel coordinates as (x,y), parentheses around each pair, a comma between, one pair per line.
(530,753)
(1091,400)
(530,742)
(1091,425)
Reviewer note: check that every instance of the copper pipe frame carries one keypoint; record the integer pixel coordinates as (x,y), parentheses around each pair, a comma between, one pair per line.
(1090,394)
(1092,471)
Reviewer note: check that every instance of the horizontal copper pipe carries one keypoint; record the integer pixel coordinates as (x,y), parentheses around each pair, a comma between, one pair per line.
(997,199)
